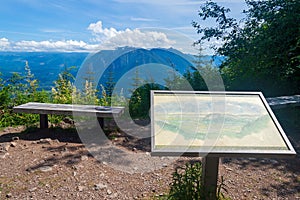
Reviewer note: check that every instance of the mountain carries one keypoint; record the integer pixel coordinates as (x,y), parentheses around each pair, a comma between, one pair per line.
(104,65)
(44,65)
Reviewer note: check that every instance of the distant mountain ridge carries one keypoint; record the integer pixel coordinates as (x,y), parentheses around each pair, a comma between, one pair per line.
(47,65)
(44,65)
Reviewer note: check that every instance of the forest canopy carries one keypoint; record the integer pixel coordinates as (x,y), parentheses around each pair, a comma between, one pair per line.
(262,50)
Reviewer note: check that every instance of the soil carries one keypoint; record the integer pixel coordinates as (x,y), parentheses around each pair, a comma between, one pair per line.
(54,164)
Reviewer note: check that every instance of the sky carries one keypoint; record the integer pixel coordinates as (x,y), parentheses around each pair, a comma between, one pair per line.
(93,25)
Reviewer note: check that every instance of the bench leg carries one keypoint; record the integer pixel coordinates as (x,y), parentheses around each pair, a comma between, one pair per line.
(43,121)
(101,122)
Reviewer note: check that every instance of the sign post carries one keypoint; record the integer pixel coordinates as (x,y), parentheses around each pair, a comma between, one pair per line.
(210,170)
(213,125)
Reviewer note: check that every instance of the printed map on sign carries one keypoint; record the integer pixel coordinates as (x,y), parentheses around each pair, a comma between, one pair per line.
(222,122)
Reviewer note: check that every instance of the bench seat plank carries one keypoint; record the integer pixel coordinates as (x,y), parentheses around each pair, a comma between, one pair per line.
(67,109)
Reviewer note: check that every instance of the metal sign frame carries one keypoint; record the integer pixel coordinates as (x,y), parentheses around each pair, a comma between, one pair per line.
(211,152)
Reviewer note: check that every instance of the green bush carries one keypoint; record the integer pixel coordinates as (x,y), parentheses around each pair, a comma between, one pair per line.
(139,103)
(19,89)
(187,184)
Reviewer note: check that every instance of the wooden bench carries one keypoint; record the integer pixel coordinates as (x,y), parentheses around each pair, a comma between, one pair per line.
(43,109)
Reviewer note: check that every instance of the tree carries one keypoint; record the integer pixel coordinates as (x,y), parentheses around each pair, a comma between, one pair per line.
(63,89)
(110,83)
(262,52)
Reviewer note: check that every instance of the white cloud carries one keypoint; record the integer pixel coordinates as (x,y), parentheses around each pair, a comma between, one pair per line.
(112,38)
(104,38)
(46,45)
(138,38)
(100,33)
(4,44)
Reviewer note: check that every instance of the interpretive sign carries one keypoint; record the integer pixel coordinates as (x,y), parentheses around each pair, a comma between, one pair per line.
(218,124)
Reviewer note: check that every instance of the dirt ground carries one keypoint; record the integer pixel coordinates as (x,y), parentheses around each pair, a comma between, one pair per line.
(54,164)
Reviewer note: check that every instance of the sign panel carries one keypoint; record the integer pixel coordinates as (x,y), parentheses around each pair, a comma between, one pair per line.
(215,123)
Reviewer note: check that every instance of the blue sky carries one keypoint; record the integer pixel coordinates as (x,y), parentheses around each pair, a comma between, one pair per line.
(90,25)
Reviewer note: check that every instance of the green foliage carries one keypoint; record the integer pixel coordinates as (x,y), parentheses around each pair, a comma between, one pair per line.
(139,103)
(201,77)
(105,99)
(263,51)
(110,84)
(86,96)
(63,89)
(19,89)
(187,184)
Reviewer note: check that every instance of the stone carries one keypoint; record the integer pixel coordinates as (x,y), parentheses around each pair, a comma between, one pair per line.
(68,120)
(13,144)
(114,196)
(8,195)
(80,188)
(228,168)
(55,141)
(45,141)
(84,157)
(2,156)
(100,186)
(109,192)
(45,168)
(274,162)
(4,147)
(32,189)
(15,138)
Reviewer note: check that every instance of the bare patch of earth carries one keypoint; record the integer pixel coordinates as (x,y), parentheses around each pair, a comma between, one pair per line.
(54,164)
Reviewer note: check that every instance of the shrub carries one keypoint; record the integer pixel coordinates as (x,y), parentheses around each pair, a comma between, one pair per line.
(187,184)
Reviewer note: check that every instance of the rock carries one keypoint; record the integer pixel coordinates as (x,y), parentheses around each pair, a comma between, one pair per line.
(45,141)
(68,120)
(13,144)
(2,156)
(15,138)
(32,189)
(274,162)
(45,169)
(100,186)
(114,196)
(4,147)
(109,192)
(228,168)
(84,157)
(55,141)
(80,188)
(8,195)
